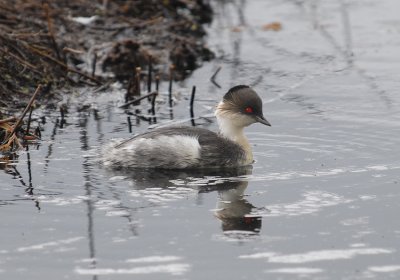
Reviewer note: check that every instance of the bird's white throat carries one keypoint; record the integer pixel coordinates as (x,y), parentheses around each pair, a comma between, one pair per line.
(232,129)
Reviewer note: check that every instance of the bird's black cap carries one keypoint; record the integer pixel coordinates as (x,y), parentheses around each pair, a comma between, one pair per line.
(242,97)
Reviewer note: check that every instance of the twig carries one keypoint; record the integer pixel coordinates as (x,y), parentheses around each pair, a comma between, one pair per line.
(153,104)
(94,61)
(38,133)
(20,60)
(69,69)
(28,126)
(192,101)
(171,77)
(10,119)
(102,87)
(157,82)
(70,50)
(129,124)
(214,76)
(51,31)
(131,85)
(137,81)
(191,106)
(62,113)
(137,100)
(38,89)
(149,75)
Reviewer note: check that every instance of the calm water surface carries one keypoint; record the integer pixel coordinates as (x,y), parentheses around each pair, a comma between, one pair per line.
(321,201)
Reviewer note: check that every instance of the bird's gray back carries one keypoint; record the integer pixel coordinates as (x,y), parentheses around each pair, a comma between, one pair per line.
(215,150)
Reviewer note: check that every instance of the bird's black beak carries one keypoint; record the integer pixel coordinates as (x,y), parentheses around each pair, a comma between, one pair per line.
(263,120)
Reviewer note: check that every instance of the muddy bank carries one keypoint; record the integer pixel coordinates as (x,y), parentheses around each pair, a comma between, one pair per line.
(62,44)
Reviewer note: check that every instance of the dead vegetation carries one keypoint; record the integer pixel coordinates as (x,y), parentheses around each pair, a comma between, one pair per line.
(75,42)
(11,132)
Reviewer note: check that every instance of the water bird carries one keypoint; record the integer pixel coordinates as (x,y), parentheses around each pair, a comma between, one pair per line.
(184,147)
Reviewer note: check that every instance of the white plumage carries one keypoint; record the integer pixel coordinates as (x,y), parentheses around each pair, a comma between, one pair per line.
(183,151)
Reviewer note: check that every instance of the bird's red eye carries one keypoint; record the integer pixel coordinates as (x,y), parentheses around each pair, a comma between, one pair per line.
(249,110)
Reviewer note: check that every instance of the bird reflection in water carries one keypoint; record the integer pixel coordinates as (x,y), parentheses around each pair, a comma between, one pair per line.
(233,210)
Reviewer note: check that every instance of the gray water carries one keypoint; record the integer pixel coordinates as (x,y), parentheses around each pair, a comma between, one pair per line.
(321,201)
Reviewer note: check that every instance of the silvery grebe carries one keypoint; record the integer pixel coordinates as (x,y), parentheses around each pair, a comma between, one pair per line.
(184,147)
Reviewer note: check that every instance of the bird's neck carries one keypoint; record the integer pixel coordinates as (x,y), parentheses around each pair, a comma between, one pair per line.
(235,134)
